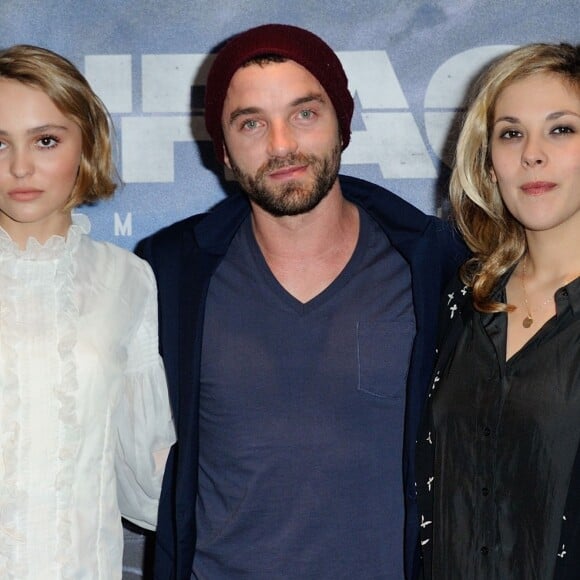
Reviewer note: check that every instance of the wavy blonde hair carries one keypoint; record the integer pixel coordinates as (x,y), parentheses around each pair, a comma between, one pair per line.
(61,81)
(495,237)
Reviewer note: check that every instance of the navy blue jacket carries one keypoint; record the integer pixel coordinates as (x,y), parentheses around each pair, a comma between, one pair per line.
(185,255)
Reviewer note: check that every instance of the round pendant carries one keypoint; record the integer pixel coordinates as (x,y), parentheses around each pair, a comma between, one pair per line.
(528,321)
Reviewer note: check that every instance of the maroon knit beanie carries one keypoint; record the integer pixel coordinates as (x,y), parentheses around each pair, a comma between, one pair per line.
(289,42)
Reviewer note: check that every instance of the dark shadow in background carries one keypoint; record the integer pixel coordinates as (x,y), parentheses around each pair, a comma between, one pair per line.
(197,108)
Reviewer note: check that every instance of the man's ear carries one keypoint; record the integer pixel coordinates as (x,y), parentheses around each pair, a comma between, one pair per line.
(226,157)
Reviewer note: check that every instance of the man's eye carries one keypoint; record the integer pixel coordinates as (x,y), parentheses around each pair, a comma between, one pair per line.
(250,124)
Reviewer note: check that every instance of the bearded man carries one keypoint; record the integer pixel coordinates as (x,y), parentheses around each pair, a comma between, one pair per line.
(298,324)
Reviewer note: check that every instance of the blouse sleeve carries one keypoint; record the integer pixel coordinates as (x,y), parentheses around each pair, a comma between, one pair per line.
(145,427)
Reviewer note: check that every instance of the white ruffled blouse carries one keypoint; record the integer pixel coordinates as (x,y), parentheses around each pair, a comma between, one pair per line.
(84,411)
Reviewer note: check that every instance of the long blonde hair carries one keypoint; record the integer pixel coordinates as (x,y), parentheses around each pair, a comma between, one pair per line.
(495,237)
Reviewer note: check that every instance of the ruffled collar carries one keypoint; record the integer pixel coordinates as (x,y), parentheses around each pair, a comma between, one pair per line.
(53,248)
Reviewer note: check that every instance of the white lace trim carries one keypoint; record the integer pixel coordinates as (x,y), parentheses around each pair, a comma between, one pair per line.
(53,248)
(14,443)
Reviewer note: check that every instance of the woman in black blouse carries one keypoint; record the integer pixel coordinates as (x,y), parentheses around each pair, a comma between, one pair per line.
(499,462)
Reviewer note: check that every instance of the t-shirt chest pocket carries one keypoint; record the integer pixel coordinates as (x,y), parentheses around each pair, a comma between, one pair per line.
(383,356)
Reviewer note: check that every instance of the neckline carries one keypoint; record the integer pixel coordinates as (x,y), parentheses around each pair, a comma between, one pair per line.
(54,247)
(325,295)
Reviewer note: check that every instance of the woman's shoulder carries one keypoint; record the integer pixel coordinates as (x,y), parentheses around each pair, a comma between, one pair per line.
(115,265)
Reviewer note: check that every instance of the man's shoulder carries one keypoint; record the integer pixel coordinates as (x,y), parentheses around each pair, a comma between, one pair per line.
(409,229)
(206,225)
(396,215)
(382,200)
(362,187)
(176,230)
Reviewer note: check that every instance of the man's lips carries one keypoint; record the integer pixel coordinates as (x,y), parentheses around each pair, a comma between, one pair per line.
(537,187)
(287,171)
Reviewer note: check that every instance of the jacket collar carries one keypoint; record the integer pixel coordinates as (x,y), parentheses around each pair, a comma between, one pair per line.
(215,230)
(400,220)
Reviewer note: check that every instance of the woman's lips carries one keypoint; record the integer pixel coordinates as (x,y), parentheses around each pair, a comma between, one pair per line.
(24,193)
(537,187)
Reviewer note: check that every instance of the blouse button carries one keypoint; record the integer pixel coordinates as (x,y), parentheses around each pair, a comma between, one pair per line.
(484,550)
(487,431)
(485,491)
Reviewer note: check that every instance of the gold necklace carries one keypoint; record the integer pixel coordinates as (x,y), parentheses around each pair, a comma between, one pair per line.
(529,319)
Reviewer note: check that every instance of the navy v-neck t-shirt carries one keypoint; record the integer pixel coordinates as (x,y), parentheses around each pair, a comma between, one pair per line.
(301,419)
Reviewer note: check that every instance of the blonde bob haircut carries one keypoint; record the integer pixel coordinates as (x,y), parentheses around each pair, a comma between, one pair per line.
(61,81)
(495,237)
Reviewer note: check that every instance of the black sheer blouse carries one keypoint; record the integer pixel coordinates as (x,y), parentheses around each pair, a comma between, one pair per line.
(506,436)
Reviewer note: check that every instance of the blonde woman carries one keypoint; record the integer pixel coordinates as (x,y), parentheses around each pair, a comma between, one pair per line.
(84,413)
(499,482)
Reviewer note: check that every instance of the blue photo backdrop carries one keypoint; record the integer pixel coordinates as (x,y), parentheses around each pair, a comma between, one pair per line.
(409,63)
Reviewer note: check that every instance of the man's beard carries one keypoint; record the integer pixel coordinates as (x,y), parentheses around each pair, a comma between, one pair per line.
(292,198)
